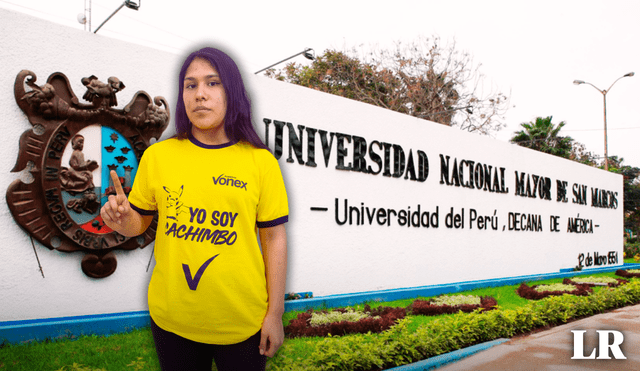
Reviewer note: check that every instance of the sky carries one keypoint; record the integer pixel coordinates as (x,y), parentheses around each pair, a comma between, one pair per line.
(531,51)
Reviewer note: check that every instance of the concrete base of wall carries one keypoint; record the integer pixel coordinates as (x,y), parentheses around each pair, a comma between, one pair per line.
(16,332)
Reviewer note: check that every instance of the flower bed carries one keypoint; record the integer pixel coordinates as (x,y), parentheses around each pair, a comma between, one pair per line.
(628,273)
(376,321)
(433,308)
(530,292)
(401,345)
(595,281)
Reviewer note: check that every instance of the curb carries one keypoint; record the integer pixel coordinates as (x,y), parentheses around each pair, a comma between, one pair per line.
(17,332)
(443,359)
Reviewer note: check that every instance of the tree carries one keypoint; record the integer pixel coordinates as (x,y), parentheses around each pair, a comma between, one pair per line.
(542,135)
(421,79)
(631,190)
(580,154)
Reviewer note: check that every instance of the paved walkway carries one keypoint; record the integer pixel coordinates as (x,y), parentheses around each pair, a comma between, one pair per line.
(551,350)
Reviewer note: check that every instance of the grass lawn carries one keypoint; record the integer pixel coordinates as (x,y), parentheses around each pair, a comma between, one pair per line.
(135,350)
(129,351)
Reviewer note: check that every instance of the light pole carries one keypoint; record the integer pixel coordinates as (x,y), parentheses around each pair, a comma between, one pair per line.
(308,53)
(128,3)
(604,98)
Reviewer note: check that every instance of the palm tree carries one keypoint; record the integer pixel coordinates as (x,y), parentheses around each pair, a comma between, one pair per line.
(542,135)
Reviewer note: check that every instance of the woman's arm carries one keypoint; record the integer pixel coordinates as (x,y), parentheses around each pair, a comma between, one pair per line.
(274,250)
(119,216)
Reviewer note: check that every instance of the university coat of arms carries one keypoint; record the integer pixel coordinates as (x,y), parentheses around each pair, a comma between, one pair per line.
(69,152)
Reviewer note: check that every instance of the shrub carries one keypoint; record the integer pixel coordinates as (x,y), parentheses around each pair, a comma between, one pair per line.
(296,296)
(555,287)
(399,346)
(433,307)
(592,281)
(376,320)
(631,249)
(323,318)
(629,273)
(528,292)
(292,296)
(453,300)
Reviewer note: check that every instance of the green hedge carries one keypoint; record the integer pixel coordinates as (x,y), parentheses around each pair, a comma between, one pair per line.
(399,346)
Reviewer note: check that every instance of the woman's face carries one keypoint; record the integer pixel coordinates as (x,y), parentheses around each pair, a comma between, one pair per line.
(205,102)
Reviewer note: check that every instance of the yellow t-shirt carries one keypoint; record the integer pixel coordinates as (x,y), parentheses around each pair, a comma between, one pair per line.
(209,281)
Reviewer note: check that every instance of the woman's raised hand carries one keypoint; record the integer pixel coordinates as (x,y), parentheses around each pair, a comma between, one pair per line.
(117,209)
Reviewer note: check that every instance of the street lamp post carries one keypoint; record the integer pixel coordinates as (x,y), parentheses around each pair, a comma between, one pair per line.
(604,98)
(306,53)
(128,3)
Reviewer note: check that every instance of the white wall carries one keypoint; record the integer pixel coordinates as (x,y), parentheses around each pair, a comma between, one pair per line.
(325,257)
(44,48)
(332,258)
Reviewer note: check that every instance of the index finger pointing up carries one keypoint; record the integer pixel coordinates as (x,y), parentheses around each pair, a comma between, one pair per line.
(116,183)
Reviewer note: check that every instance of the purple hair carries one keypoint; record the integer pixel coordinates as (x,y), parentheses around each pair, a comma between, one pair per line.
(238,124)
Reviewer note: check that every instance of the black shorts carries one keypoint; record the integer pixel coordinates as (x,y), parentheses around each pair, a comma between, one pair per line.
(176,353)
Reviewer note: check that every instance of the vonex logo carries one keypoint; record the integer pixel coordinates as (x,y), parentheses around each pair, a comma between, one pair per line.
(227,180)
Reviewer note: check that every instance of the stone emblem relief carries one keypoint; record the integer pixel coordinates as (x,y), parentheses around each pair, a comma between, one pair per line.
(69,152)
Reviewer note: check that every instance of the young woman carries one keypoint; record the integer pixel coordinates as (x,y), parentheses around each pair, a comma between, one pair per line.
(215,294)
